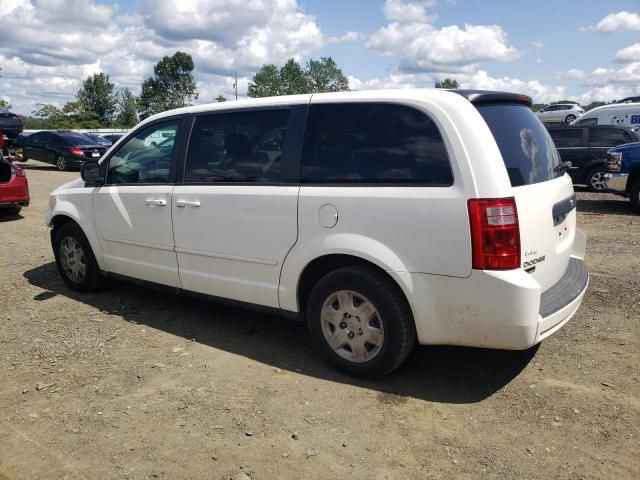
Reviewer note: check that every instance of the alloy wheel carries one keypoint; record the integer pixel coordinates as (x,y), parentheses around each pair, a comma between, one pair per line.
(61,163)
(597,181)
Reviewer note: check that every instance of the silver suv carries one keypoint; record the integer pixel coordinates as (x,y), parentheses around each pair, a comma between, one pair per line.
(560,112)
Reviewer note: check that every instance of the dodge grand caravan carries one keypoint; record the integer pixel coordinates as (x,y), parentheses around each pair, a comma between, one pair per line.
(380,218)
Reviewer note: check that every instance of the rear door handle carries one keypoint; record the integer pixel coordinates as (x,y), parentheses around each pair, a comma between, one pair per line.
(156,202)
(187,203)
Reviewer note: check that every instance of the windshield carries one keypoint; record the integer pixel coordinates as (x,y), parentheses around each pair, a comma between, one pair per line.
(527,149)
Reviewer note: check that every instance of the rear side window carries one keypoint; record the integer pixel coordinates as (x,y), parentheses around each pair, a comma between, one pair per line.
(237,147)
(373,143)
(588,121)
(526,147)
(607,137)
(567,137)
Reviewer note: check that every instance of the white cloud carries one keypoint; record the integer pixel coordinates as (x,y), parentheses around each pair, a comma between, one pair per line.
(347,37)
(606,93)
(628,55)
(537,45)
(617,22)
(43,62)
(424,48)
(573,74)
(541,93)
(412,11)
(627,75)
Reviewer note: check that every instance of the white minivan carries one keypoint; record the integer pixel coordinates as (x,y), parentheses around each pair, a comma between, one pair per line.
(619,114)
(378,217)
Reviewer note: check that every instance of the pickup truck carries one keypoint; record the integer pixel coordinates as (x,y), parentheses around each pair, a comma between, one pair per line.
(622,175)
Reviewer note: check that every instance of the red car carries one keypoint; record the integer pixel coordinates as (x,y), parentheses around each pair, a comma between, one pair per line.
(14,188)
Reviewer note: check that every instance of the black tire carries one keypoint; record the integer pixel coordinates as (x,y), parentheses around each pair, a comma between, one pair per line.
(594,178)
(569,118)
(393,312)
(634,195)
(11,211)
(61,163)
(92,279)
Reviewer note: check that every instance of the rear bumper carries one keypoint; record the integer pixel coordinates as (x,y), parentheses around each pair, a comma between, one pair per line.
(15,192)
(494,309)
(616,182)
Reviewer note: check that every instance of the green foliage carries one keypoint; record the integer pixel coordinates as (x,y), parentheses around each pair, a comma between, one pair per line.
(221,98)
(96,100)
(172,85)
(448,83)
(324,76)
(537,106)
(293,79)
(127,105)
(564,101)
(318,76)
(593,105)
(266,82)
(5,104)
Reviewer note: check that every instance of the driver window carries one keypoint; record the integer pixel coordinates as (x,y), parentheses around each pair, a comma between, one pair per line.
(145,158)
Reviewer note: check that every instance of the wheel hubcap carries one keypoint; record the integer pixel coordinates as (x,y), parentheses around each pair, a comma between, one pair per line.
(352,326)
(597,181)
(570,119)
(73,260)
(60,161)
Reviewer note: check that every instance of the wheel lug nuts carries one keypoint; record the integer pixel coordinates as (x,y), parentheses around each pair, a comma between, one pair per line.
(351,335)
(343,325)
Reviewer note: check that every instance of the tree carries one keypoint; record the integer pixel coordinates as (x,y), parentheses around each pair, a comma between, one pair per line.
(325,76)
(96,98)
(448,83)
(221,98)
(5,104)
(537,106)
(293,79)
(319,76)
(127,109)
(266,82)
(594,105)
(172,85)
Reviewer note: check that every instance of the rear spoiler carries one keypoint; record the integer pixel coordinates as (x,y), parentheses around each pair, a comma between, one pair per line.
(487,97)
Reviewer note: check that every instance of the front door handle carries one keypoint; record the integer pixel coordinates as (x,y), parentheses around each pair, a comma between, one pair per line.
(187,203)
(156,202)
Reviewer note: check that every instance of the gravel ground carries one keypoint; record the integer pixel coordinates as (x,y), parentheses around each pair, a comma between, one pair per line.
(136,383)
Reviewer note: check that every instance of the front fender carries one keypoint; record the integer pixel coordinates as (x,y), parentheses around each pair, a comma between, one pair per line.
(302,254)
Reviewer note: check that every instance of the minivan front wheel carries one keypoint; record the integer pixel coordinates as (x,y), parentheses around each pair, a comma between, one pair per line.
(360,321)
(569,119)
(75,260)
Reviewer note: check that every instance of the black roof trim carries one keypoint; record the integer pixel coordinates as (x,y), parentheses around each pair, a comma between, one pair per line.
(487,97)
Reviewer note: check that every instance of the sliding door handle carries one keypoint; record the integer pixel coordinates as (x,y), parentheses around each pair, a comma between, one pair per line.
(187,203)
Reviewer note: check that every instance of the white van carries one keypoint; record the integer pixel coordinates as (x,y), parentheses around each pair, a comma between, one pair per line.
(378,217)
(619,114)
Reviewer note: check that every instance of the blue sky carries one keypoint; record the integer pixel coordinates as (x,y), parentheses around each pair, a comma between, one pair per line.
(583,50)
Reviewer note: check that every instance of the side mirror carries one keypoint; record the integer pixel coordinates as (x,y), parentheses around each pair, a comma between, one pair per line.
(90,173)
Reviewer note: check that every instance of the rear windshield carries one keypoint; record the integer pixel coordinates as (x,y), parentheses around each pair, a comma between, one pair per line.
(527,149)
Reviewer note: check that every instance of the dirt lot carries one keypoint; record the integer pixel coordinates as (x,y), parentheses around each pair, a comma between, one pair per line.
(135,383)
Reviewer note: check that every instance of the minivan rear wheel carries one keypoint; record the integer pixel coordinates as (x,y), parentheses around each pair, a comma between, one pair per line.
(569,119)
(360,321)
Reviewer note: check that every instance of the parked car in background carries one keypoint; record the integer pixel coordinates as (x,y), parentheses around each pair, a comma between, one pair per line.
(560,113)
(113,137)
(64,149)
(586,148)
(623,172)
(619,114)
(629,100)
(388,216)
(10,124)
(99,139)
(14,188)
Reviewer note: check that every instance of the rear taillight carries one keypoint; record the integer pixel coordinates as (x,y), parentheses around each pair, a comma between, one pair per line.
(495,234)
(76,151)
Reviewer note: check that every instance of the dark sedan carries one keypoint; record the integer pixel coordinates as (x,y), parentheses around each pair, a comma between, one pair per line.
(65,150)
(10,124)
